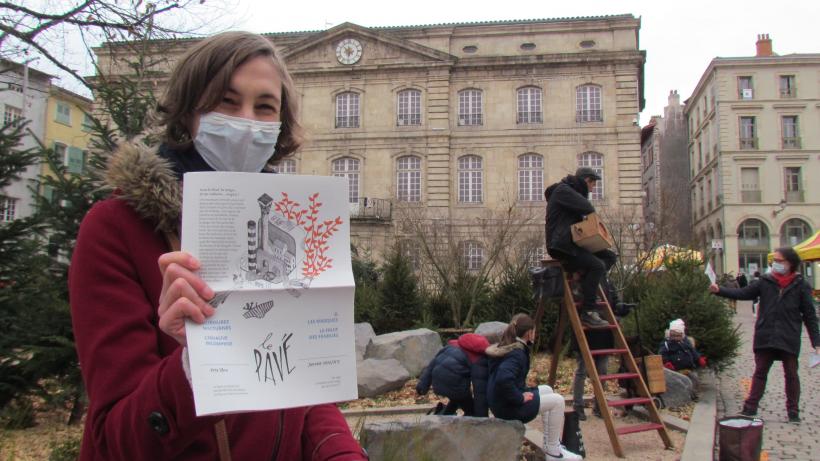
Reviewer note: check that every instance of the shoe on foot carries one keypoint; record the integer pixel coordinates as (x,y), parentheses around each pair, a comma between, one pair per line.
(748,412)
(579,410)
(596,412)
(564,455)
(592,319)
(794,417)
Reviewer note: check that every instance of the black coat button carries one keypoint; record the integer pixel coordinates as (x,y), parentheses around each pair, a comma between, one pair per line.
(158,423)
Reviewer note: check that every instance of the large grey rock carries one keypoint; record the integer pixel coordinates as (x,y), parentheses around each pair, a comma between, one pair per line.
(491,330)
(444,438)
(364,334)
(678,389)
(413,348)
(377,376)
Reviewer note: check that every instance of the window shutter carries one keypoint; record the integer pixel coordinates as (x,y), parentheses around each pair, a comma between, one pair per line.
(48,193)
(75,160)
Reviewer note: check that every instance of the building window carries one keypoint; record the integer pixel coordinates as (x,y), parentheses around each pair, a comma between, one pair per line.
(286,166)
(529,105)
(469,107)
(595,161)
(60,151)
(535,256)
(408,181)
(347,167)
(588,104)
(709,192)
(11,115)
(63,114)
(88,123)
(16,87)
(788,88)
(791,134)
(8,209)
(530,178)
(347,110)
(748,133)
(749,185)
(793,184)
(411,251)
(744,88)
(409,108)
(75,159)
(473,255)
(793,232)
(753,245)
(470,178)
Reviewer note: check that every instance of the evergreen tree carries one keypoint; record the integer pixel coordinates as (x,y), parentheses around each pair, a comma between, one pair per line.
(399,300)
(681,292)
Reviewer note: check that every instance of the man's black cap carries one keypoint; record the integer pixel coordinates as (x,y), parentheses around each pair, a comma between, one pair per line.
(587,172)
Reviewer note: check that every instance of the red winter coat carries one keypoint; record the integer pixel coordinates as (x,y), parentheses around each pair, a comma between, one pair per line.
(141,404)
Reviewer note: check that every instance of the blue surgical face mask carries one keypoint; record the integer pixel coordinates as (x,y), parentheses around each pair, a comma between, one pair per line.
(235,144)
(779,268)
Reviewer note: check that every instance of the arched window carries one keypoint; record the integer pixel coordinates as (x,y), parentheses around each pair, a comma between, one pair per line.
(530,178)
(529,105)
(409,108)
(470,179)
(348,167)
(286,166)
(473,254)
(408,178)
(469,107)
(752,245)
(588,104)
(347,110)
(794,231)
(595,161)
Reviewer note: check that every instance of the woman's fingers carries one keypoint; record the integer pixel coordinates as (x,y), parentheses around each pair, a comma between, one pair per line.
(176,271)
(184,294)
(181,288)
(172,322)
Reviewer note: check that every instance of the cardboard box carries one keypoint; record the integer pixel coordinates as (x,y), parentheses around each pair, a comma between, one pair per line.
(591,234)
(655,379)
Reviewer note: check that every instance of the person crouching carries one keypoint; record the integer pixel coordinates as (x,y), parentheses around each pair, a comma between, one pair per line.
(452,371)
(510,398)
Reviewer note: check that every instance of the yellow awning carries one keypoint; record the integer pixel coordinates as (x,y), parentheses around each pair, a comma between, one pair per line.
(667,252)
(808,250)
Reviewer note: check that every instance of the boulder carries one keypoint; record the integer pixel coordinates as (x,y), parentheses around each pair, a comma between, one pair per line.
(413,348)
(491,330)
(364,334)
(678,389)
(377,376)
(444,438)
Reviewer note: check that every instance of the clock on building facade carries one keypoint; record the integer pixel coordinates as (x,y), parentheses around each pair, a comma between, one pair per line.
(349,51)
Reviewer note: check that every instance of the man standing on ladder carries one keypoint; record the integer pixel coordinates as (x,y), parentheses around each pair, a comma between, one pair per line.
(567,203)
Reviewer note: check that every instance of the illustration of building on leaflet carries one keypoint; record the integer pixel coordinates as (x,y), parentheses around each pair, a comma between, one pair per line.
(271,247)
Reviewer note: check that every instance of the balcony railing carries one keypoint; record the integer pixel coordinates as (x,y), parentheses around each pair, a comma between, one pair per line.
(791,143)
(794,196)
(371,209)
(748,143)
(750,196)
(788,93)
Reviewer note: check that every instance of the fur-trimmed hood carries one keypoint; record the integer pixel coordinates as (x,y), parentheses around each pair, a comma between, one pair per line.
(497,351)
(146,181)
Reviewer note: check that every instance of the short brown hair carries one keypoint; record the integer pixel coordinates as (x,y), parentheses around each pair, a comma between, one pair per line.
(203,75)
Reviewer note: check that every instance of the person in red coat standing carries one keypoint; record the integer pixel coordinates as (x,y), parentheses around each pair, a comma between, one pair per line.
(132,289)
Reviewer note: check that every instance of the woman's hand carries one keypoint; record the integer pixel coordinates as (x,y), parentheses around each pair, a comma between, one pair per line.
(714,288)
(184,295)
(527,396)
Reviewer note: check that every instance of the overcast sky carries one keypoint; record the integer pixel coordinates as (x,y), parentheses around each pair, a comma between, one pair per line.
(679,40)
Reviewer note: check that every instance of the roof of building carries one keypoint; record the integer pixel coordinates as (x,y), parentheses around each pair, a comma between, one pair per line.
(78,98)
(31,70)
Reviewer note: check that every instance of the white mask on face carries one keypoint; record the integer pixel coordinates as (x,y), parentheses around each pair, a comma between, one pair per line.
(235,144)
(779,268)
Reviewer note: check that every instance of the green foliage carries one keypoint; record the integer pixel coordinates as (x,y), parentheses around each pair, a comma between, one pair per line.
(681,292)
(399,302)
(366,278)
(17,414)
(66,450)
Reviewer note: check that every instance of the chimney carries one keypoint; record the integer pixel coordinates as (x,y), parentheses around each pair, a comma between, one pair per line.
(674,98)
(764,45)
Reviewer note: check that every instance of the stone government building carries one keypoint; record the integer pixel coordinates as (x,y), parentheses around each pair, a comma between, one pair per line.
(462,120)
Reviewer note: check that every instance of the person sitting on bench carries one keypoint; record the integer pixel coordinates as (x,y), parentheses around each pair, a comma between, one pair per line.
(568,203)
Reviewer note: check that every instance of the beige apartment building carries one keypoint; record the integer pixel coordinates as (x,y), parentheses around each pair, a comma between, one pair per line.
(754,148)
(457,123)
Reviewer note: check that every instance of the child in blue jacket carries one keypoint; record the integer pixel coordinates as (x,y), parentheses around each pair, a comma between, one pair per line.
(508,396)
(458,365)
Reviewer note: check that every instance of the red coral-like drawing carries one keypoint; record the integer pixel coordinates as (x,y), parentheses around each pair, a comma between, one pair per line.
(317,232)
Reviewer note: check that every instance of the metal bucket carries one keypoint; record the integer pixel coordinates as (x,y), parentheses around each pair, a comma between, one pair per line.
(741,438)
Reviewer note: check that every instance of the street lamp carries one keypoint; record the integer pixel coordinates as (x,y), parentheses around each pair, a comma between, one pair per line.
(779,207)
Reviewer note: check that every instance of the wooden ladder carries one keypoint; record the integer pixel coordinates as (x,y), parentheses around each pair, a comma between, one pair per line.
(570,309)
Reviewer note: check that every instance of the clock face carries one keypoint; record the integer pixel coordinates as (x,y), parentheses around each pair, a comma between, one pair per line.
(349,51)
